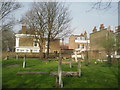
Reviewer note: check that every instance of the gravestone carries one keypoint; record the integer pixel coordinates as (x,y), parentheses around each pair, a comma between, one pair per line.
(17,56)
(24,62)
(70,63)
(75,56)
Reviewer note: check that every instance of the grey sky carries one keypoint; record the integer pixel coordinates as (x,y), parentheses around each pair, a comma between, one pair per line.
(82,19)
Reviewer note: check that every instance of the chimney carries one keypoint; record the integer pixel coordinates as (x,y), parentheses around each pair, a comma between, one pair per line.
(24,30)
(94,29)
(81,34)
(85,35)
(101,26)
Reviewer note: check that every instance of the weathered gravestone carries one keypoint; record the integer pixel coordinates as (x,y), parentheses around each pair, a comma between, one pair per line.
(17,56)
(24,62)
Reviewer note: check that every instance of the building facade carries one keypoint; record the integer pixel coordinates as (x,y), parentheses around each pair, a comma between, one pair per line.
(97,45)
(97,42)
(26,43)
(79,41)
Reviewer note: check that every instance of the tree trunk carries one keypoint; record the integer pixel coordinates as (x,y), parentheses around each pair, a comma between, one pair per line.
(79,68)
(41,53)
(48,45)
(41,50)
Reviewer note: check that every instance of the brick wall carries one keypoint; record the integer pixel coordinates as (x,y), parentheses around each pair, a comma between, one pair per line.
(55,45)
(72,44)
(97,51)
(26,41)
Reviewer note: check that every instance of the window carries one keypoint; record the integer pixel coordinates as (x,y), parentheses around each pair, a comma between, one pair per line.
(27,50)
(83,38)
(22,50)
(78,38)
(35,50)
(35,44)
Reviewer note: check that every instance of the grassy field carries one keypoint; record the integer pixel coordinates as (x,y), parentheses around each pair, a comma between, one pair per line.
(93,76)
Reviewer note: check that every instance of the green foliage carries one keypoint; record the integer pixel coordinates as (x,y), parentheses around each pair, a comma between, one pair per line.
(93,76)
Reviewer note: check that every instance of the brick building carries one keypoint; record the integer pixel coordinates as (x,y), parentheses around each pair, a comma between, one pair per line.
(79,41)
(95,44)
(25,43)
(97,51)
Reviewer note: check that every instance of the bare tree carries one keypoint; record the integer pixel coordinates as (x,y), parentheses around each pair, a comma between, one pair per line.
(7,22)
(6,9)
(35,20)
(50,20)
(100,5)
(105,5)
(8,40)
(57,21)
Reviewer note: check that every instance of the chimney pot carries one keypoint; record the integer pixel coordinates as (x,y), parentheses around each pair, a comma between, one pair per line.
(94,29)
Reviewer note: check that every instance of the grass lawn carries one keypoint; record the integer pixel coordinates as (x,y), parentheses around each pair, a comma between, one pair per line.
(93,76)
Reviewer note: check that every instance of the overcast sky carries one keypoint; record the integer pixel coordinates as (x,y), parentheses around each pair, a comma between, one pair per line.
(82,19)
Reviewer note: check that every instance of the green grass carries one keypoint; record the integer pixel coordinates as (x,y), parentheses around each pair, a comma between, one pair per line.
(93,76)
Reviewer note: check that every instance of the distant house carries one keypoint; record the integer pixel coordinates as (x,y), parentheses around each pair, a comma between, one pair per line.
(26,43)
(95,44)
(79,41)
(79,44)
(97,38)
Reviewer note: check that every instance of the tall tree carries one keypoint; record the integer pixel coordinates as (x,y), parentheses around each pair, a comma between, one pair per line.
(50,20)
(35,20)
(6,9)
(58,22)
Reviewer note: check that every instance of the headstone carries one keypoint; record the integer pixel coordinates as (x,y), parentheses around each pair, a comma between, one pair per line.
(75,56)
(16,56)
(24,62)
(60,83)
(7,57)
